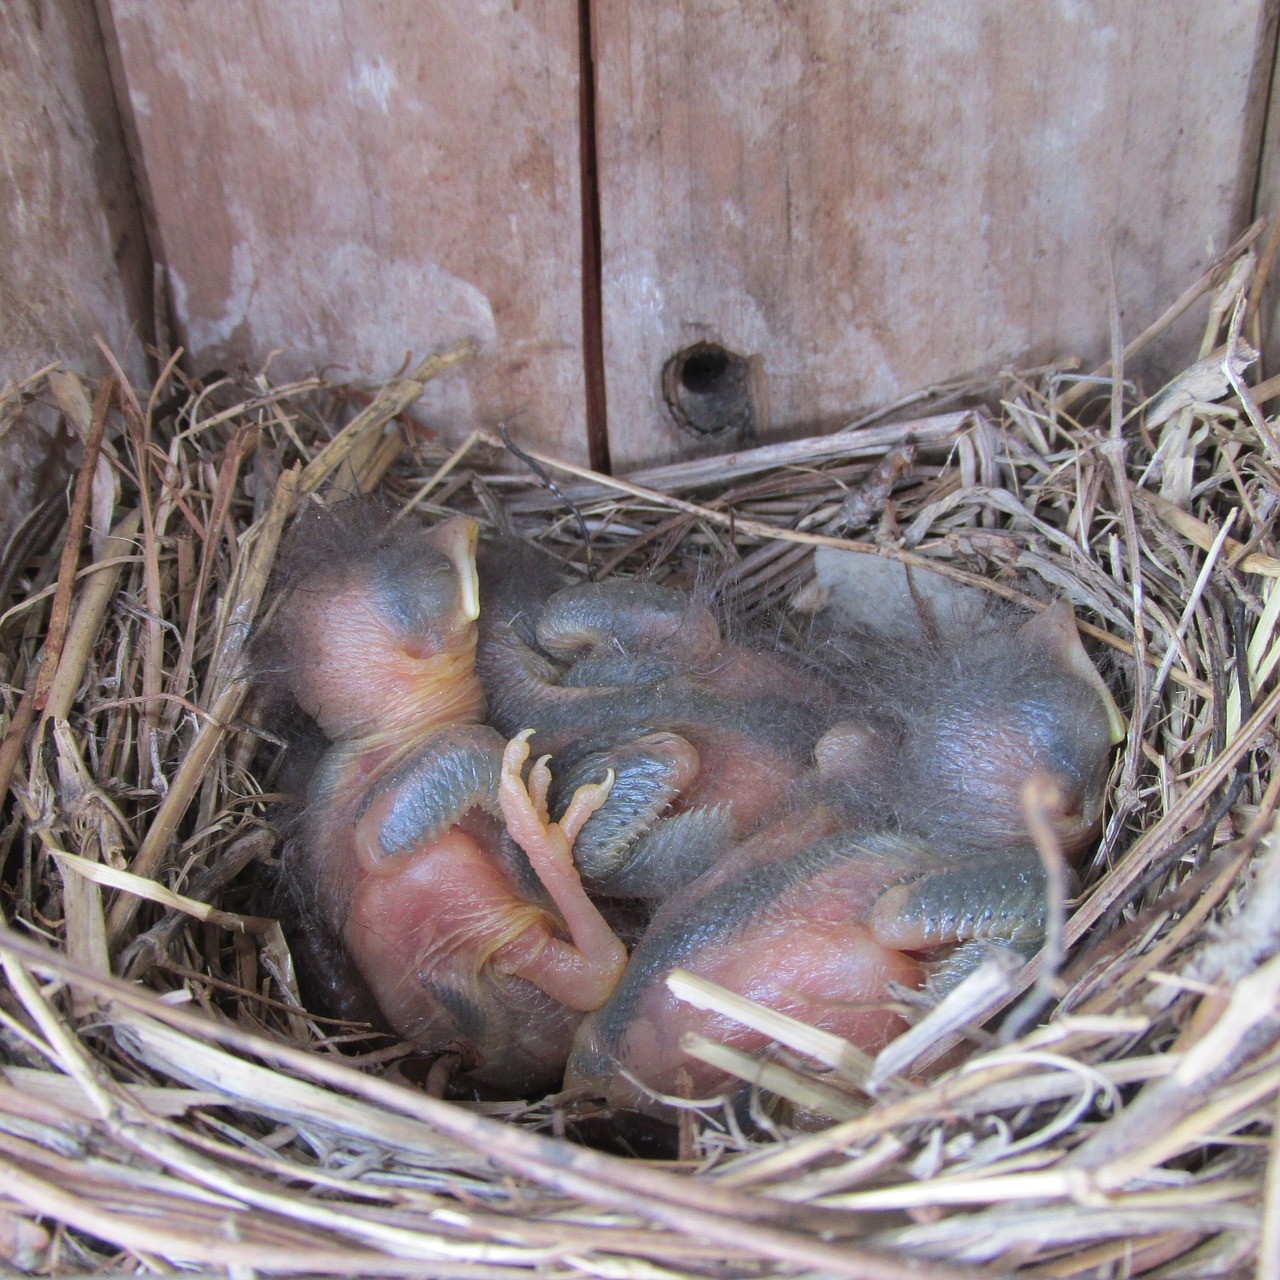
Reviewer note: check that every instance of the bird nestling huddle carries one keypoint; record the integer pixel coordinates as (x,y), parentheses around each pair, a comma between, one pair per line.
(804,830)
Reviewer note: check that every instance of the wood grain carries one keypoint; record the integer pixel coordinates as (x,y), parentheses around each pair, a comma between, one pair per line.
(1267,205)
(73,257)
(869,198)
(348,184)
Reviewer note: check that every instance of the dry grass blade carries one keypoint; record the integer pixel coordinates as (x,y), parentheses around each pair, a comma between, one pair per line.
(842,1057)
(227,696)
(805,1092)
(36,696)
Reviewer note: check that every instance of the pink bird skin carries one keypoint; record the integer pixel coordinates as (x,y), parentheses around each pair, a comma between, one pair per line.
(425,863)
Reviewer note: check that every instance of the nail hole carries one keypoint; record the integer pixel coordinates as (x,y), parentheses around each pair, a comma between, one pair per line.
(708,390)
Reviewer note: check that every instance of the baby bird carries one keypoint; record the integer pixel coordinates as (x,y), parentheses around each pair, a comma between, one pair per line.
(728,732)
(422,855)
(789,932)
(464,912)
(377,636)
(945,730)
(908,852)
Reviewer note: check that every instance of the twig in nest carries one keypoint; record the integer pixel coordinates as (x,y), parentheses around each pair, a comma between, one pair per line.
(1042,803)
(545,476)
(38,693)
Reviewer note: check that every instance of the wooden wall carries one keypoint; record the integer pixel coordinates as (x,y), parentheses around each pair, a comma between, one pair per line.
(854,199)
(73,256)
(346,185)
(873,197)
(1267,201)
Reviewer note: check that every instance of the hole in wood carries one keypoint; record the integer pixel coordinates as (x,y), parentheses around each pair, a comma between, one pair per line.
(708,391)
(704,371)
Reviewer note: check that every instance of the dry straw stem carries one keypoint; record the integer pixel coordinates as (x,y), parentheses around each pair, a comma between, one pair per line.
(805,1092)
(188,1112)
(35,697)
(831,1051)
(652,1195)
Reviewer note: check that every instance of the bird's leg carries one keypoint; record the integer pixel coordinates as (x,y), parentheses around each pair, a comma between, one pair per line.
(582,972)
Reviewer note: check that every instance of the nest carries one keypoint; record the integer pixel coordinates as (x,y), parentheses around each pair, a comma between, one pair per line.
(166,1098)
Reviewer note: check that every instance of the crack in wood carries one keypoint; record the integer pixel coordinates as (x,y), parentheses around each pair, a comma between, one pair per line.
(592,288)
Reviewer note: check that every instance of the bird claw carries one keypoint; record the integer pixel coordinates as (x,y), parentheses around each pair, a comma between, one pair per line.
(585,801)
(524,805)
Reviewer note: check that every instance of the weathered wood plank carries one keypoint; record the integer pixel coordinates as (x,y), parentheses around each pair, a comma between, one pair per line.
(73,257)
(348,184)
(1267,205)
(873,197)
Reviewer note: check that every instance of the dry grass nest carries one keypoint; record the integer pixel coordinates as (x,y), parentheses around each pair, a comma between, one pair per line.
(167,1101)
